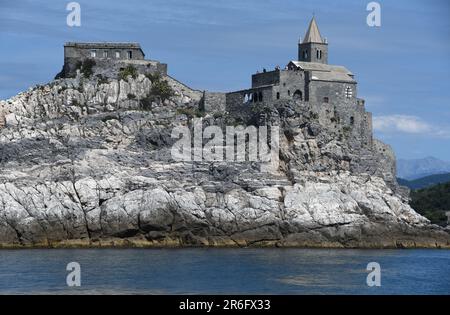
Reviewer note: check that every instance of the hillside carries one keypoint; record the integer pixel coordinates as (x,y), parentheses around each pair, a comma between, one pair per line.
(418,168)
(88,161)
(432,202)
(425,182)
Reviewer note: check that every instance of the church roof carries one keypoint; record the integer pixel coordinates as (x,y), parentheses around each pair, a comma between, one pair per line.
(332,76)
(313,34)
(324,72)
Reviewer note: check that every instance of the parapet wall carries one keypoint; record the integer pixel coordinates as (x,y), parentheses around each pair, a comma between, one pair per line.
(242,100)
(110,67)
(214,102)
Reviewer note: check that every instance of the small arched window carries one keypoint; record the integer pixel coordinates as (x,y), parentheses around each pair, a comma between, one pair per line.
(255,97)
(326,99)
(289,92)
(260,96)
(278,95)
(352,120)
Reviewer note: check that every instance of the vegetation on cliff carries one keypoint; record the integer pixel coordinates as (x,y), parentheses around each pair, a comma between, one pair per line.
(432,202)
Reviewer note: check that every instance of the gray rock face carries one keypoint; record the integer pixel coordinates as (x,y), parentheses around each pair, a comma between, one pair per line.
(81,164)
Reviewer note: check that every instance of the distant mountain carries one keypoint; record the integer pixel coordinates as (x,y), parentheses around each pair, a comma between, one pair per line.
(418,168)
(432,202)
(425,182)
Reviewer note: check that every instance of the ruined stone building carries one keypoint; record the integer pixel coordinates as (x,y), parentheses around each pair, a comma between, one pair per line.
(108,56)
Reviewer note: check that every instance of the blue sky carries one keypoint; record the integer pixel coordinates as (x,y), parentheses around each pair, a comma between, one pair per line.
(402,67)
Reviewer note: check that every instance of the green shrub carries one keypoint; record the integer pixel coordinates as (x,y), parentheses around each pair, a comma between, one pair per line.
(87,67)
(190,112)
(160,88)
(128,71)
(153,76)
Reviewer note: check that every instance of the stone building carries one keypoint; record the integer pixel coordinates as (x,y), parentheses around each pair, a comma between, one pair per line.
(103,51)
(327,93)
(108,56)
(310,78)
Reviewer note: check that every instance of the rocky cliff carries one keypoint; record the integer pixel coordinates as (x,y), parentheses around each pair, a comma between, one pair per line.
(86,162)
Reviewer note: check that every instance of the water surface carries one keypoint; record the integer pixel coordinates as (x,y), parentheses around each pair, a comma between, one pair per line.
(224,271)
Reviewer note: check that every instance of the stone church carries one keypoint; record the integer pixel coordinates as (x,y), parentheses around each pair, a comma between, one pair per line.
(310,78)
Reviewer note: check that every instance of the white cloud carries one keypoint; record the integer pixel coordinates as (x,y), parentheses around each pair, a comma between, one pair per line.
(408,124)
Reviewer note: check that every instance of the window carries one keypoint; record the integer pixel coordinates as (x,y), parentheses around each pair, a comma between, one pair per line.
(289,92)
(278,95)
(298,95)
(255,97)
(319,54)
(348,92)
(105,54)
(260,96)
(93,53)
(352,120)
(130,54)
(305,54)
(326,99)
(117,54)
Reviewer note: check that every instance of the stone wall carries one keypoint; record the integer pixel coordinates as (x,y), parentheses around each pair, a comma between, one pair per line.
(242,100)
(214,102)
(109,68)
(290,82)
(335,91)
(266,78)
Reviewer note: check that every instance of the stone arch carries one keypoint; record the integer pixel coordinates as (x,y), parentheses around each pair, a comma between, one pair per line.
(298,95)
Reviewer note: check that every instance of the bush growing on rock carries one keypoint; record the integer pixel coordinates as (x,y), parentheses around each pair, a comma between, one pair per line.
(87,67)
(128,71)
(190,112)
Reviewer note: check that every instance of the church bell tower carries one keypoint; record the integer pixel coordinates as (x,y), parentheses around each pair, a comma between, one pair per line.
(313,48)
